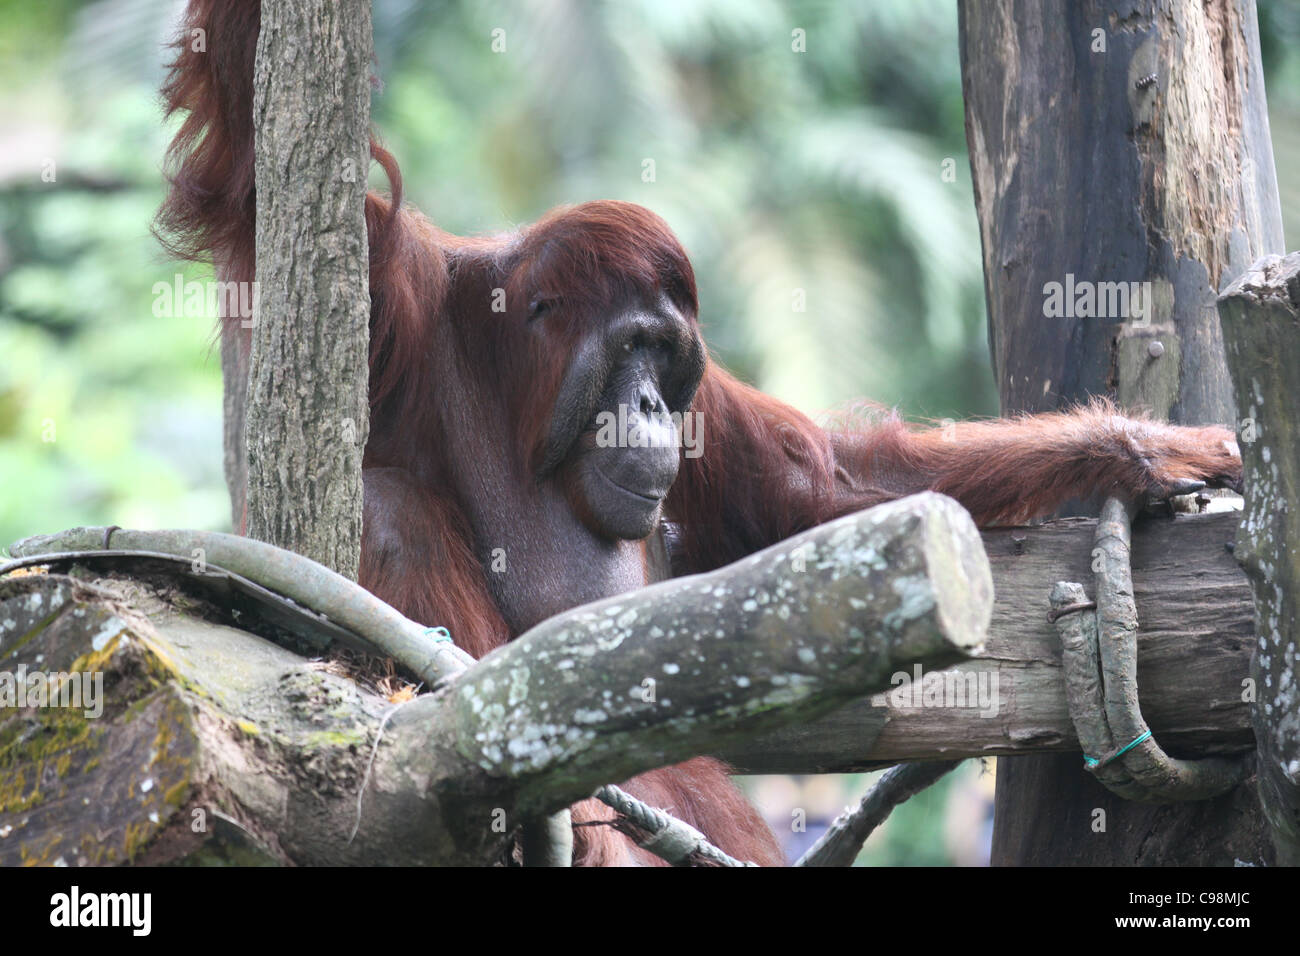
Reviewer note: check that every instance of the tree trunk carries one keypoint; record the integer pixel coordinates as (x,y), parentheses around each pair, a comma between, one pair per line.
(308,408)
(234,404)
(1115,143)
(1261,326)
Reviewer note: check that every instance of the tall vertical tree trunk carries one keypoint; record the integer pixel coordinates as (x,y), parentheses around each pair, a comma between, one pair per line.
(1116,141)
(308,412)
(1261,326)
(234,404)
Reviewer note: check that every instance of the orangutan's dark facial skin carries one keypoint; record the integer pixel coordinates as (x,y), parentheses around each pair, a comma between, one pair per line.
(628,387)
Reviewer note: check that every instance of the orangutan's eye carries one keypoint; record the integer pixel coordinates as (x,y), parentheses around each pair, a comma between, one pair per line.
(540,305)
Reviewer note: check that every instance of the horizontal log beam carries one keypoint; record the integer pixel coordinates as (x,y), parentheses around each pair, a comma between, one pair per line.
(1196,625)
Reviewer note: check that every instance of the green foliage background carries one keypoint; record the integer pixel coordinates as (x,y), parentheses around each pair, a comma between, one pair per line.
(778,170)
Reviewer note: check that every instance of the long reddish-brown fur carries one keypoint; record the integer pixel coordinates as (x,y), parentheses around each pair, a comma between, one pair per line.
(439,361)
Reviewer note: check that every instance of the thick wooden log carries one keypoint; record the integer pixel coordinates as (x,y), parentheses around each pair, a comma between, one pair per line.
(1116,142)
(1196,625)
(184,730)
(1261,327)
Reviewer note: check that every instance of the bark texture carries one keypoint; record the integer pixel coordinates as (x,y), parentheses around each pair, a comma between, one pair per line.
(1079,170)
(234,407)
(308,412)
(1261,326)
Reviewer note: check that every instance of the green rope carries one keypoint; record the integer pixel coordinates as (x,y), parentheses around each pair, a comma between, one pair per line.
(1093,761)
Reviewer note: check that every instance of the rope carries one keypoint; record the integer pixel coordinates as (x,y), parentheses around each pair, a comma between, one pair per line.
(1093,761)
(669,838)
